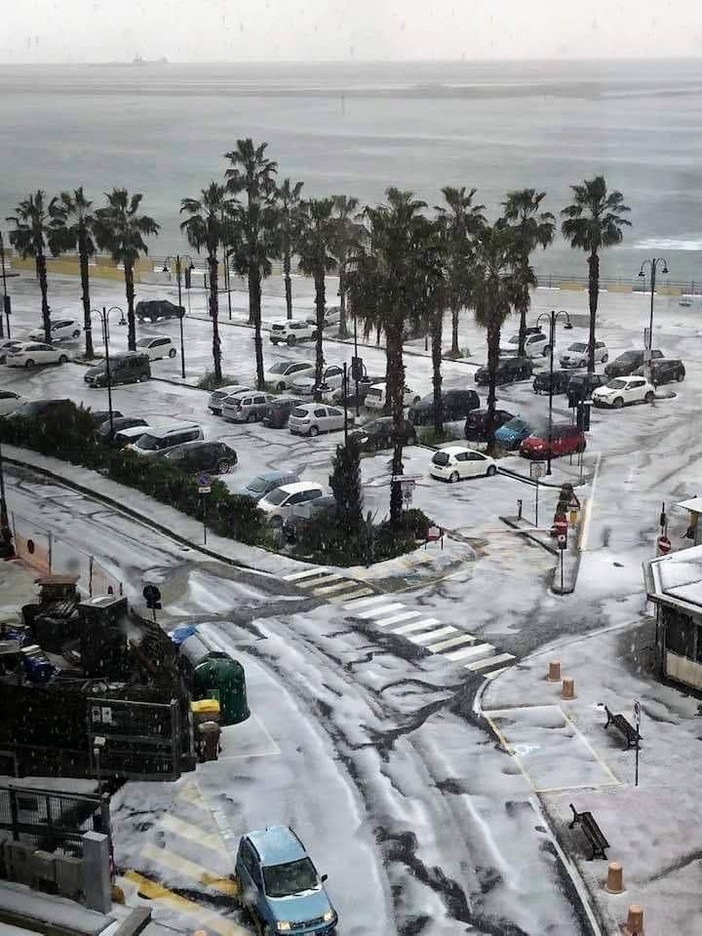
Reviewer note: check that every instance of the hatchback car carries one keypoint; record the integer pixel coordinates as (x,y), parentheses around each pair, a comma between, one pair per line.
(624,390)
(576,354)
(61,330)
(155,309)
(508,370)
(580,387)
(279,410)
(475,429)
(536,344)
(455,404)
(377,396)
(279,503)
(313,418)
(10,344)
(216,457)
(280,376)
(261,484)
(214,404)
(455,462)
(246,406)
(159,441)
(558,381)
(279,885)
(107,433)
(332,379)
(565,440)
(513,432)
(301,515)
(157,347)
(378,434)
(9,401)
(663,370)
(32,355)
(628,362)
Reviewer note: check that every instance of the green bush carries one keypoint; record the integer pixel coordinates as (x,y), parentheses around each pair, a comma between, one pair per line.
(210,382)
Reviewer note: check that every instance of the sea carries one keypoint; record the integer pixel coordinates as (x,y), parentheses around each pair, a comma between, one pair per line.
(162,129)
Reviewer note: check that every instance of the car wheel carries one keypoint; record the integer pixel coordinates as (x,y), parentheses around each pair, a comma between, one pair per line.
(29,363)
(313,432)
(63,359)
(172,353)
(223,467)
(251,417)
(416,400)
(605,358)
(547,350)
(650,397)
(454,477)
(76,333)
(275,522)
(291,340)
(280,387)
(492,470)
(618,403)
(679,376)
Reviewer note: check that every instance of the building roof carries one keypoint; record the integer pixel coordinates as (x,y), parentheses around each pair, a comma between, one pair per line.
(676,579)
(693,504)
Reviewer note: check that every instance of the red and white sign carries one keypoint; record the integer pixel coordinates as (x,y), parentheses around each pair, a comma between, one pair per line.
(434,533)
(664,545)
(560,525)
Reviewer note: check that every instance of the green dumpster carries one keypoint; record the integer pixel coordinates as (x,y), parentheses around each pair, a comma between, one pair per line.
(219,677)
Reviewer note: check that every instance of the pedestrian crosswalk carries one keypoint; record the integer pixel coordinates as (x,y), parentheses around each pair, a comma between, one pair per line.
(469,651)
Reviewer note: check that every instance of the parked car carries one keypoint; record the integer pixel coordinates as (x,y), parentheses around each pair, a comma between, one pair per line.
(455,404)
(107,433)
(129,435)
(508,370)
(61,330)
(623,390)
(9,401)
(279,410)
(215,457)
(279,886)
(455,462)
(559,380)
(475,429)
(155,309)
(332,379)
(279,503)
(128,367)
(536,344)
(246,406)
(157,347)
(580,387)
(41,409)
(301,514)
(9,345)
(378,434)
(280,376)
(32,355)
(218,396)
(663,370)
(312,418)
(99,417)
(291,331)
(337,394)
(159,441)
(261,484)
(332,317)
(566,439)
(377,396)
(513,432)
(576,354)
(627,363)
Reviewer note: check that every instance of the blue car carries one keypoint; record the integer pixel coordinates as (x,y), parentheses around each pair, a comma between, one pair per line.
(513,433)
(279,886)
(263,484)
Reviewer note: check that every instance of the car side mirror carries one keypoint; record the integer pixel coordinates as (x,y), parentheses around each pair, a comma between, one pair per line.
(324,878)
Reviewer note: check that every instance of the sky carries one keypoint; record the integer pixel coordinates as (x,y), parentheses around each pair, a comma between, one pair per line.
(75,31)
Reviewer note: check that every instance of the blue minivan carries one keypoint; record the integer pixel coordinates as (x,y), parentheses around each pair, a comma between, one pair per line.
(513,433)
(279,886)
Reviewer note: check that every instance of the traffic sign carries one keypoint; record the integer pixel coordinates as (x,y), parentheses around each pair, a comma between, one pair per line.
(203,483)
(434,533)
(560,525)
(664,545)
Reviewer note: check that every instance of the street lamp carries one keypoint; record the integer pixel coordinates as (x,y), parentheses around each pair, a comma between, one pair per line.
(653,263)
(178,260)
(551,316)
(104,317)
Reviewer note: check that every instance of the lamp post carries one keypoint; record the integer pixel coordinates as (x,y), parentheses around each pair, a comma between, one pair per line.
(178,260)
(653,264)
(551,316)
(104,317)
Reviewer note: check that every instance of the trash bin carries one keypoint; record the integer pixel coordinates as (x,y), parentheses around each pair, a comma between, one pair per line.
(220,677)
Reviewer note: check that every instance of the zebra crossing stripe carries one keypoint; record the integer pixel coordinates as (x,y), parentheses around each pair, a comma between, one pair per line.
(441,632)
(329,577)
(451,642)
(491,661)
(467,652)
(396,618)
(495,672)
(365,602)
(376,612)
(295,576)
(357,594)
(330,589)
(416,625)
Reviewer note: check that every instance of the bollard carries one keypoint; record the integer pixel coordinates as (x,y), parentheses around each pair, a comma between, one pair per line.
(615,878)
(554,671)
(634,921)
(568,691)
(519,508)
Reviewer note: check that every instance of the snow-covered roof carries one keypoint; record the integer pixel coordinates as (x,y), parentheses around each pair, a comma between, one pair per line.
(676,579)
(693,504)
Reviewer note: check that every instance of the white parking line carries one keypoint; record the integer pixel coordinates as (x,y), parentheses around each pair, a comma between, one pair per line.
(416,625)
(330,577)
(441,632)
(357,594)
(365,602)
(305,574)
(451,642)
(464,654)
(396,618)
(589,505)
(484,664)
(377,612)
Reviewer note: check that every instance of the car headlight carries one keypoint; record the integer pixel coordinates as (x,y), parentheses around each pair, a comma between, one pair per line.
(283,926)
(329,916)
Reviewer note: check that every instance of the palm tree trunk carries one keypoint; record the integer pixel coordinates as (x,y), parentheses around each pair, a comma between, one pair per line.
(255,318)
(319,302)
(85,299)
(343,327)
(593,288)
(131,321)
(395,386)
(493,343)
(44,288)
(455,350)
(522,331)
(288,284)
(214,315)
(437,328)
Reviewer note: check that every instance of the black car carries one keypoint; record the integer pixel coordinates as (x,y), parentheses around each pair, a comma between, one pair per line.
(102,417)
(628,362)
(475,429)
(545,381)
(216,457)
(106,433)
(155,309)
(455,404)
(580,387)
(299,519)
(279,410)
(509,370)
(663,370)
(41,409)
(378,434)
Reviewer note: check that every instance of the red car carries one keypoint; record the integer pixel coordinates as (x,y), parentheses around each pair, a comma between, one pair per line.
(565,440)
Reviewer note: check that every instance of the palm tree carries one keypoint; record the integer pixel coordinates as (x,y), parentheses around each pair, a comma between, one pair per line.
(438,282)
(461,220)
(251,179)
(349,231)
(533,229)
(31,238)
(73,227)
(315,246)
(386,287)
(121,230)
(288,203)
(207,226)
(494,295)
(593,221)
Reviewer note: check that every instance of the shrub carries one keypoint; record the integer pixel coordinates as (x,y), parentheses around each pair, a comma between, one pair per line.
(210,382)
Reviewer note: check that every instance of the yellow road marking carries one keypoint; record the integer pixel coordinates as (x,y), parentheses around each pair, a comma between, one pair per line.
(508,750)
(185,830)
(190,869)
(206,918)
(191,794)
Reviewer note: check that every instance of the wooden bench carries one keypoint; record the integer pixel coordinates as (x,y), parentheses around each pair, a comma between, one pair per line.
(625,727)
(592,832)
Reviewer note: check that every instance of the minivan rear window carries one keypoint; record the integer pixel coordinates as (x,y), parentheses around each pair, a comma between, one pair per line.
(440,458)
(148,442)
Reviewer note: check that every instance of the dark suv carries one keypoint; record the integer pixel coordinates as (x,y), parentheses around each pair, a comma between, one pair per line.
(544,381)
(155,309)
(626,363)
(509,370)
(475,429)
(278,411)
(455,404)
(216,457)
(663,370)
(580,387)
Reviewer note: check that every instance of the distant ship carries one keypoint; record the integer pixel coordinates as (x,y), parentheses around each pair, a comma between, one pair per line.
(138,60)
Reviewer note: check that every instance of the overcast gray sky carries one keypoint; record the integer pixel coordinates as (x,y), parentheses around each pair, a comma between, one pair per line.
(308,30)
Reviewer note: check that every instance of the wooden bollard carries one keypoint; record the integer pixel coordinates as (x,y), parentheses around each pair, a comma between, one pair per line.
(615,878)
(634,921)
(568,690)
(554,671)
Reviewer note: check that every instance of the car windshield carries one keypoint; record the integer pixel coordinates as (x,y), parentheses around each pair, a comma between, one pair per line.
(144,342)
(514,339)
(277,497)
(627,357)
(516,423)
(257,485)
(578,346)
(292,878)
(441,458)
(148,442)
(617,384)
(375,392)
(279,368)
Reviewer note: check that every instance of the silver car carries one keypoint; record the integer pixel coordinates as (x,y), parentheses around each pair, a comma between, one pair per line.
(246,406)
(313,418)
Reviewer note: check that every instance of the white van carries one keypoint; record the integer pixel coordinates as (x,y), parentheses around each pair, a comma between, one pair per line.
(377,396)
(159,441)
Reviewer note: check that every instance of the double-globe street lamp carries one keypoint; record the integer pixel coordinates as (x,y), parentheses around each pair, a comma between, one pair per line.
(104,317)
(552,316)
(178,260)
(653,264)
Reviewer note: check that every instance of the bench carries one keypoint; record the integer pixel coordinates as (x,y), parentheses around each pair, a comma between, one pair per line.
(626,728)
(592,832)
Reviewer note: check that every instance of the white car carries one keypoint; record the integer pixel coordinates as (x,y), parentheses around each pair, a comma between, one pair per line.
(456,462)
(157,347)
(9,401)
(218,396)
(281,376)
(30,355)
(576,354)
(313,418)
(535,345)
(61,330)
(290,331)
(10,345)
(376,397)
(279,503)
(332,317)
(623,390)
(332,379)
